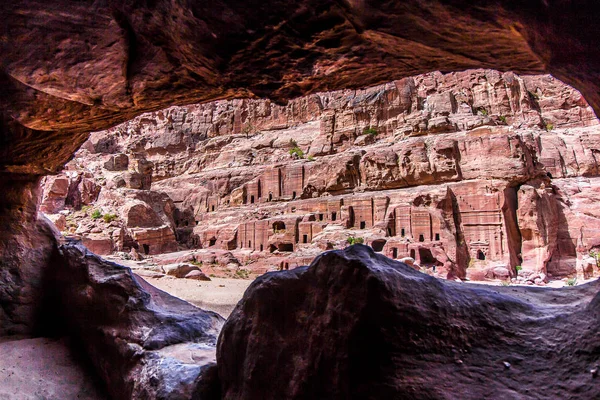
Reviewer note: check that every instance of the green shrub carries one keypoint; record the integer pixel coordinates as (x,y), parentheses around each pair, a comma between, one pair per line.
(242,274)
(502,119)
(354,240)
(310,158)
(96,214)
(297,151)
(483,111)
(549,126)
(572,281)
(108,218)
(370,131)
(518,268)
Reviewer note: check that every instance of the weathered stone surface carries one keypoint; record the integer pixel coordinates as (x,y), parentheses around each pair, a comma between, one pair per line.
(355,324)
(144,343)
(232,178)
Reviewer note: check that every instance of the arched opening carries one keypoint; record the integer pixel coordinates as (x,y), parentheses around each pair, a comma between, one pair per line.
(278,227)
(270,196)
(212,241)
(426,257)
(480,255)
(259,189)
(350,223)
(146,249)
(378,244)
(333,216)
(288,247)
(212,208)
(421,238)
(394,252)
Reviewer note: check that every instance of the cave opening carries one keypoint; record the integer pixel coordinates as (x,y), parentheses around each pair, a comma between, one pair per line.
(480,255)
(378,245)
(146,248)
(304,238)
(426,257)
(285,247)
(278,227)
(333,215)
(212,241)
(421,238)
(363,224)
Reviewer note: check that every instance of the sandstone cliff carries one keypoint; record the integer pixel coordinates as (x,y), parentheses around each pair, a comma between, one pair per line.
(472,174)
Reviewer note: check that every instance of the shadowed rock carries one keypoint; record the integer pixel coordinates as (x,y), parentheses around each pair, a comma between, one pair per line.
(355,324)
(143,342)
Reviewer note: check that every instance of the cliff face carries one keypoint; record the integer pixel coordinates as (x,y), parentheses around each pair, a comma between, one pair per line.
(463,172)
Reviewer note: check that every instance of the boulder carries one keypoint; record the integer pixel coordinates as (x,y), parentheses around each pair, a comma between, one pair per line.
(197,275)
(179,270)
(355,324)
(143,342)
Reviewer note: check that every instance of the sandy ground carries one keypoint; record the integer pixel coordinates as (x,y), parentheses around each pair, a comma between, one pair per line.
(219,295)
(42,369)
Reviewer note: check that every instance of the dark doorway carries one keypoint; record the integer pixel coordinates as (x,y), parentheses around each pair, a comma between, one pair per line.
(146,249)
(426,256)
(320,217)
(333,216)
(421,238)
(212,241)
(270,196)
(480,255)
(250,243)
(350,217)
(213,207)
(363,224)
(272,248)
(402,232)
(394,252)
(293,195)
(437,236)
(278,226)
(378,244)
(286,247)
(251,199)
(259,189)
(412,254)
(304,238)
(261,247)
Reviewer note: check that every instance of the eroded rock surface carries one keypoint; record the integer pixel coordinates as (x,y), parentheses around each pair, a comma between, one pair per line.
(456,171)
(143,342)
(357,325)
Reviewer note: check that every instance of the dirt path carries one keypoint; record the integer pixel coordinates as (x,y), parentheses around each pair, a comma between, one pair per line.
(42,368)
(219,295)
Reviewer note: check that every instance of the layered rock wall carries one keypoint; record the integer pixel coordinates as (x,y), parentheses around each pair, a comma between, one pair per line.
(461,172)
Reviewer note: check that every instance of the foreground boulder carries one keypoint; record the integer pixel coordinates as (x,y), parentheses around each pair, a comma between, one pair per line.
(144,343)
(355,324)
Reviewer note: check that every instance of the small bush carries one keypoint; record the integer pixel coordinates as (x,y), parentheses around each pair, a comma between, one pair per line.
(310,158)
(354,240)
(572,281)
(518,268)
(370,131)
(96,214)
(108,218)
(483,111)
(502,119)
(549,126)
(297,151)
(196,263)
(242,274)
